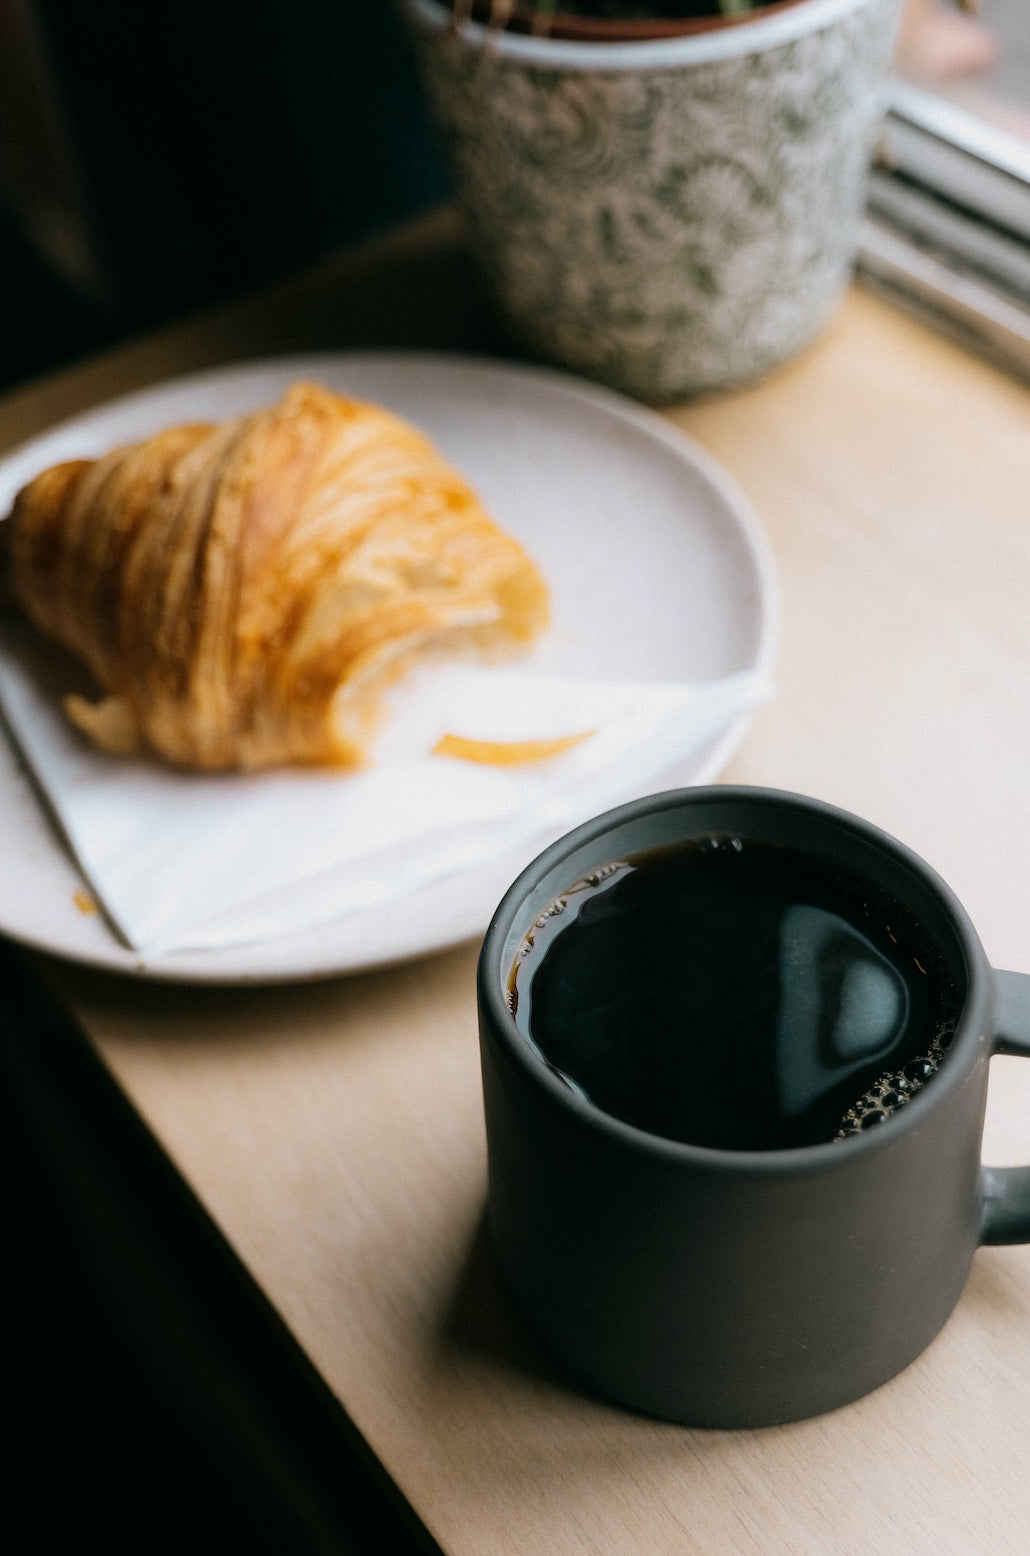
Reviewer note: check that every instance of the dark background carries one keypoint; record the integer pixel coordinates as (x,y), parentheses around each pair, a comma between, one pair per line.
(157,155)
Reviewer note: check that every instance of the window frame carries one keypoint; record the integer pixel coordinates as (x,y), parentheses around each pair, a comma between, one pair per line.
(947,224)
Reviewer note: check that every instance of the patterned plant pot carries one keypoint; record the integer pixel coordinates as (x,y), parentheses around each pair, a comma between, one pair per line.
(666,216)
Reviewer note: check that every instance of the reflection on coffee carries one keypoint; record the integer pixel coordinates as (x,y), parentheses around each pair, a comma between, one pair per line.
(734,994)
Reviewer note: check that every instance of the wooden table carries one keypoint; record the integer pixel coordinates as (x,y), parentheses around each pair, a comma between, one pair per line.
(333,1130)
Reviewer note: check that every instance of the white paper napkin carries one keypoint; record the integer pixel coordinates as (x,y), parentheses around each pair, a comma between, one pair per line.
(181,861)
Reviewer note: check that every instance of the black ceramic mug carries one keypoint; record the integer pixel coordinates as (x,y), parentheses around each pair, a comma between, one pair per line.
(749,1284)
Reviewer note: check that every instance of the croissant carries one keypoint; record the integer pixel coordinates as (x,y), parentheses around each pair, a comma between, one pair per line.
(244,592)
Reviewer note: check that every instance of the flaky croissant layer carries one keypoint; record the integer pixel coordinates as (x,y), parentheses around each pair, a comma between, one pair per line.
(243,592)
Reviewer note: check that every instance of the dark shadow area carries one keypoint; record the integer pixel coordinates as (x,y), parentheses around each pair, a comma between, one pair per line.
(154,1400)
(483,1319)
(158,157)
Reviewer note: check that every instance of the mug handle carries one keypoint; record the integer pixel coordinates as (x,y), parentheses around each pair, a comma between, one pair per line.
(1005,1214)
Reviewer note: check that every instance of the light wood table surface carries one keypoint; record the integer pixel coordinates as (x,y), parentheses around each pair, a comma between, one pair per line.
(334,1129)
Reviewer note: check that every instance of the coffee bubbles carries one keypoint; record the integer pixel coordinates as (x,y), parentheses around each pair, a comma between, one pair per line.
(891,1091)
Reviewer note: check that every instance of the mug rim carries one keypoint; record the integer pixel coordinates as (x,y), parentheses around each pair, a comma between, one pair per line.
(753,36)
(970,1034)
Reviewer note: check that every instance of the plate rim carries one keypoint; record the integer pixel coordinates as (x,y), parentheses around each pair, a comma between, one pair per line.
(222,966)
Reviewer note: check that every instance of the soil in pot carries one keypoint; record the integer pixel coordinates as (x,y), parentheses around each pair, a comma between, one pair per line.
(590,21)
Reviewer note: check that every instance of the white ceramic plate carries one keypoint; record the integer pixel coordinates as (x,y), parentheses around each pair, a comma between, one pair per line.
(657,566)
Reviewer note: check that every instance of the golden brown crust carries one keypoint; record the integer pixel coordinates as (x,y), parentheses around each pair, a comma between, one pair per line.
(243,592)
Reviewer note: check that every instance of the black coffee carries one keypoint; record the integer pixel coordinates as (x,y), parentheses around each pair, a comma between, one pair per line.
(734,994)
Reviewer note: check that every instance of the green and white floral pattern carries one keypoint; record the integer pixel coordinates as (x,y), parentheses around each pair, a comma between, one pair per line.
(666,230)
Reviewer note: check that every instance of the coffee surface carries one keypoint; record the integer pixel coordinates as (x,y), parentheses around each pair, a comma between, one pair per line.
(734,994)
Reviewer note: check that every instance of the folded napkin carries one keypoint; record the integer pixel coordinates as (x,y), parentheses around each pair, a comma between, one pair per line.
(185,861)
